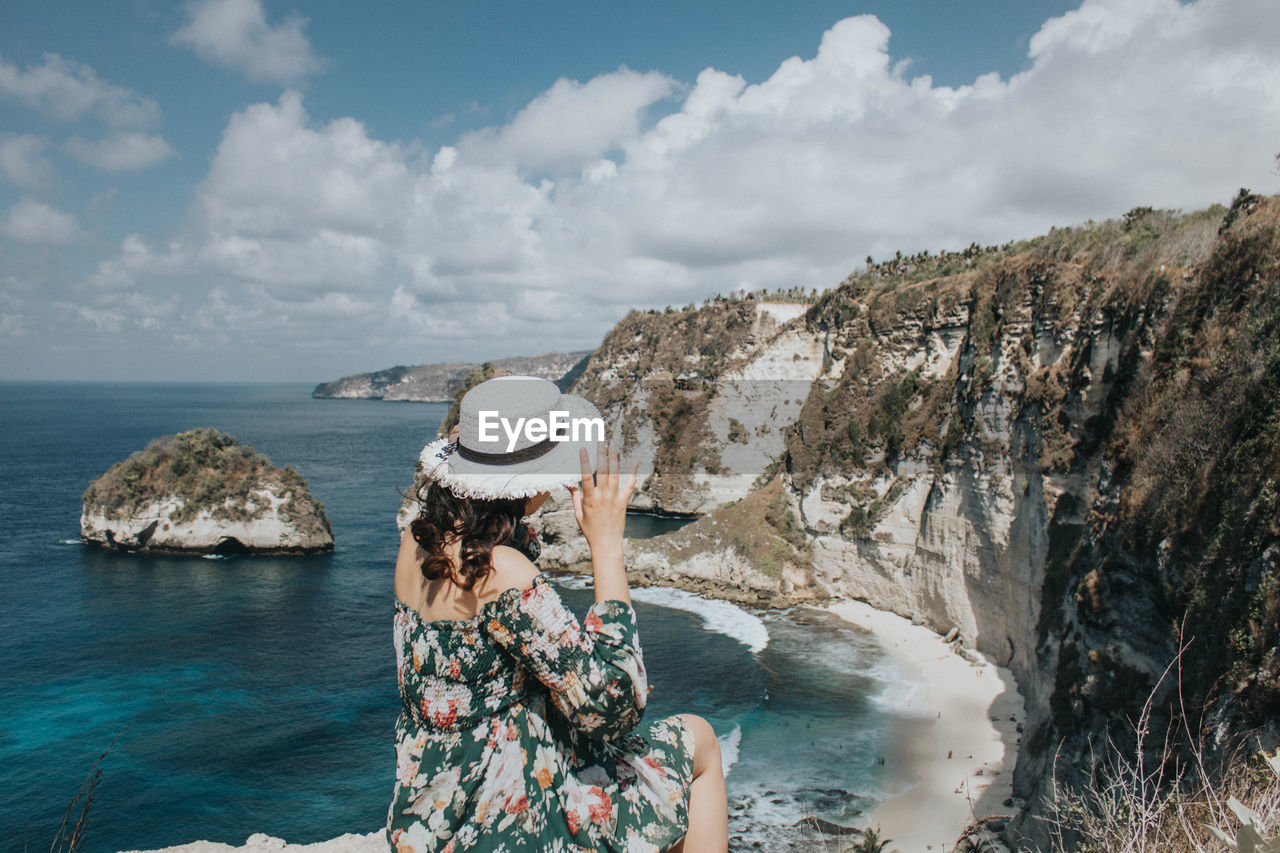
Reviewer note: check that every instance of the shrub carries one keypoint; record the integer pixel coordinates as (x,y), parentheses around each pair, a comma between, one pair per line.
(205,469)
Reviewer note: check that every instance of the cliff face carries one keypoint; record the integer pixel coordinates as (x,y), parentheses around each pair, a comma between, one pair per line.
(150,528)
(437,383)
(1067,449)
(702,398)
(202,492)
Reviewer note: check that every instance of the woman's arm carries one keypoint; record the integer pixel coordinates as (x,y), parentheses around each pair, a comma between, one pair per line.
(600,507)
(593,669)
(408,570)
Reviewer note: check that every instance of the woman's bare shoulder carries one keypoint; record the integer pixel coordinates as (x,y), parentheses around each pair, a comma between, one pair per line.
(409,569)
(511,570)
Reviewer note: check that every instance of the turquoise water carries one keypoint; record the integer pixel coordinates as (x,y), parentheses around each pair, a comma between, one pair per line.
(644,525)
(259,694)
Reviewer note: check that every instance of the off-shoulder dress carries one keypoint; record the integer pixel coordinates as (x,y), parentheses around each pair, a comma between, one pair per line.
(520,730)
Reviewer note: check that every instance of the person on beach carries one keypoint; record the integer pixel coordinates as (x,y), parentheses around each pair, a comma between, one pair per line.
(521,728)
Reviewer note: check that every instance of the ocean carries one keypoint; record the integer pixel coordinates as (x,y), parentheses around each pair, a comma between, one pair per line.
(258,694)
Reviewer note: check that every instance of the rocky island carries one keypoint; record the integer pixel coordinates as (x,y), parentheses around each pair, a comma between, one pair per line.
(203,492)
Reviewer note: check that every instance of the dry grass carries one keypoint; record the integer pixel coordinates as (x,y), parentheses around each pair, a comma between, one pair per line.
(70,837)
(1169,804)
(761,527)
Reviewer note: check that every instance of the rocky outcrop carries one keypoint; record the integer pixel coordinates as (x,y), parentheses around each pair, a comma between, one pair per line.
(701,397)
(201,492)
(437,383)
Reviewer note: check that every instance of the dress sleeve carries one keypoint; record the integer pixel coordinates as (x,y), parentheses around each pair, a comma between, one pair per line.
(593,670)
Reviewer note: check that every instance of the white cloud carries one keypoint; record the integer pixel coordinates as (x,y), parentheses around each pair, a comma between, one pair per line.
(21,162)
(100,319)
(235,34)
(12,325)
(68,90)
(12,322)
(572,123)
(31,221)
(289,205)
(137,261)
(524,237)
(273,173)
(121,152)
(133,311)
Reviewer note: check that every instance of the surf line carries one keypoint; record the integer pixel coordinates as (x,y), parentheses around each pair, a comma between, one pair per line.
(723,617)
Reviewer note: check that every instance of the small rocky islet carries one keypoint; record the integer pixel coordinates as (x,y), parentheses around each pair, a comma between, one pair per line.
(203,492)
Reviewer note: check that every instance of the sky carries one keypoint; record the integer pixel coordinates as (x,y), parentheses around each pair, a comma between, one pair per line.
(237,190)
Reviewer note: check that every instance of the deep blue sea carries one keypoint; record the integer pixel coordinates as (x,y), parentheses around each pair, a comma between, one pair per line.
(255,694)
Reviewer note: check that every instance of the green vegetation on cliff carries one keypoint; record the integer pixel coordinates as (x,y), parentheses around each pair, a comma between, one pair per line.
(1118,272)
(761,528)
(206,470)
(1196,454)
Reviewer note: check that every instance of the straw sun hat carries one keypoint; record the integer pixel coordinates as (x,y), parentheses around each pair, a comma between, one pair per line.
(518,436)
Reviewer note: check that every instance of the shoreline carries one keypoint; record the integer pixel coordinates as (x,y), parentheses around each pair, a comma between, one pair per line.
(955,762)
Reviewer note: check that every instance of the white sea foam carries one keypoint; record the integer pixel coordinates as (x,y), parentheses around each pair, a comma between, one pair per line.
(768,806)
(573,581)
(70,541)
(719,616)
(903,697)
(729,748)
(213,556)
(905,700)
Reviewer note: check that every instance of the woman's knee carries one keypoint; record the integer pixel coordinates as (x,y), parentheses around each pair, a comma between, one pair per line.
(706,755)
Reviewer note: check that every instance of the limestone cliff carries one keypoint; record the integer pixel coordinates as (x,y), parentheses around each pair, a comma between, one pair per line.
(202,492)
(702,397)
(1068,449)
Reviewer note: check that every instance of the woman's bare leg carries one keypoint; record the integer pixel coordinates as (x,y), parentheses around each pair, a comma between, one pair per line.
(708,806)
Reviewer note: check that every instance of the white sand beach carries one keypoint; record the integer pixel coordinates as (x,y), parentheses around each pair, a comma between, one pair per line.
(956,761)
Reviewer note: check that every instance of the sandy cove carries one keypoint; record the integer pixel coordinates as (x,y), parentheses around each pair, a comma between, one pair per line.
(952,764)
(956,762)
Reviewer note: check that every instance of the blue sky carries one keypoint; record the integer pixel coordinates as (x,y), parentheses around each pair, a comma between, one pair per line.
(249,189)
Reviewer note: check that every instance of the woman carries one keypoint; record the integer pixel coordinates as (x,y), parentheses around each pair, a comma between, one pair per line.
(520,727)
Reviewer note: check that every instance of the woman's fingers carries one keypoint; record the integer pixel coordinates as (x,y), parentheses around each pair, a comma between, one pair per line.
(629,484)
(603,480)
(588,486)
(607,476)
(608,486)
(575,495)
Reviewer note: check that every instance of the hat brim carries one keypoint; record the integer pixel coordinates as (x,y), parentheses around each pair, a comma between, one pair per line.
(561,466)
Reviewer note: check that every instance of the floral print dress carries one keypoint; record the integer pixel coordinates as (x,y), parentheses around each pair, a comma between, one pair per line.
(520,730)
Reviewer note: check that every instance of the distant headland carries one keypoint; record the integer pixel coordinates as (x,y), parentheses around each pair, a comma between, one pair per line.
(438,383)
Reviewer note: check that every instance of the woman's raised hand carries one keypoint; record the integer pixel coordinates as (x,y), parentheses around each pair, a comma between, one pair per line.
(600,506)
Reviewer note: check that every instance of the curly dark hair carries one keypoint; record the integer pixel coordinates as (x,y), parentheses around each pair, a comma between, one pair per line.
(482,525)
